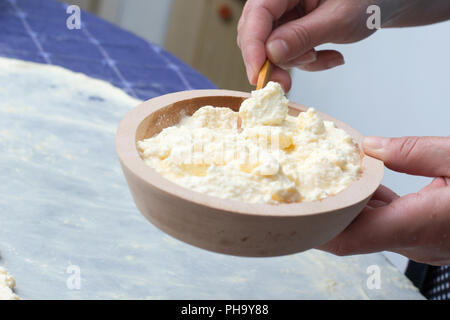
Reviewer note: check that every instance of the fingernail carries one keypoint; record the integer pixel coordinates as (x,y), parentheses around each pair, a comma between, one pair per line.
(307,58)
(335,62)
(278,50)
(374,145)
(250,73)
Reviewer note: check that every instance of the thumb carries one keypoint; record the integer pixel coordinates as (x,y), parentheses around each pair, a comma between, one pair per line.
(295,38)
(425,156)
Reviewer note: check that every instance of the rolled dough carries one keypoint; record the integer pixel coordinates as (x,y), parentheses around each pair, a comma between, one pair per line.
(30,91)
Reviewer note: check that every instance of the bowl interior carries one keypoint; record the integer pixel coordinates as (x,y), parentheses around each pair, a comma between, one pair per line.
(171,114)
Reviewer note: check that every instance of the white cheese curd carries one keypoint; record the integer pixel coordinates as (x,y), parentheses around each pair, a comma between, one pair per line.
(273,158)
(7,284)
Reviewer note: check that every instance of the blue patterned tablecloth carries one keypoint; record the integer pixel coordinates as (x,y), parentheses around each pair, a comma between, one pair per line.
(35,30)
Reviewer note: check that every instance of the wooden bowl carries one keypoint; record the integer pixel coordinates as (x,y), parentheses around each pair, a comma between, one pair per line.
(232,226)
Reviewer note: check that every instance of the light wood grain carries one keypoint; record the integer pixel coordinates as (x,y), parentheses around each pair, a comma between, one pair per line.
(197,35)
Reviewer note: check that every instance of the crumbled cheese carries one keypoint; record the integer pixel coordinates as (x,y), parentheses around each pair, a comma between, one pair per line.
(7,284)
(268,106)
(273,158)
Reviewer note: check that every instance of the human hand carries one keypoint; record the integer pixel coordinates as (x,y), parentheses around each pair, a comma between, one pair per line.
(416,225)
(302,25)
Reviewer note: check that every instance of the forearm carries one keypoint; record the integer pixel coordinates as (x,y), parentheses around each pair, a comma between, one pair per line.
(409,13)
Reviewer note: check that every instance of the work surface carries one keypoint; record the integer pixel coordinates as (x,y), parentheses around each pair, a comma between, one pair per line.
(65,206)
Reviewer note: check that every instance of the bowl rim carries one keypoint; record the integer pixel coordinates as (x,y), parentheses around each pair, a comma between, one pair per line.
(125,140)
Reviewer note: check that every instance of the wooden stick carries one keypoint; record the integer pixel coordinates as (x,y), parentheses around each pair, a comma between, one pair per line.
(264,75)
